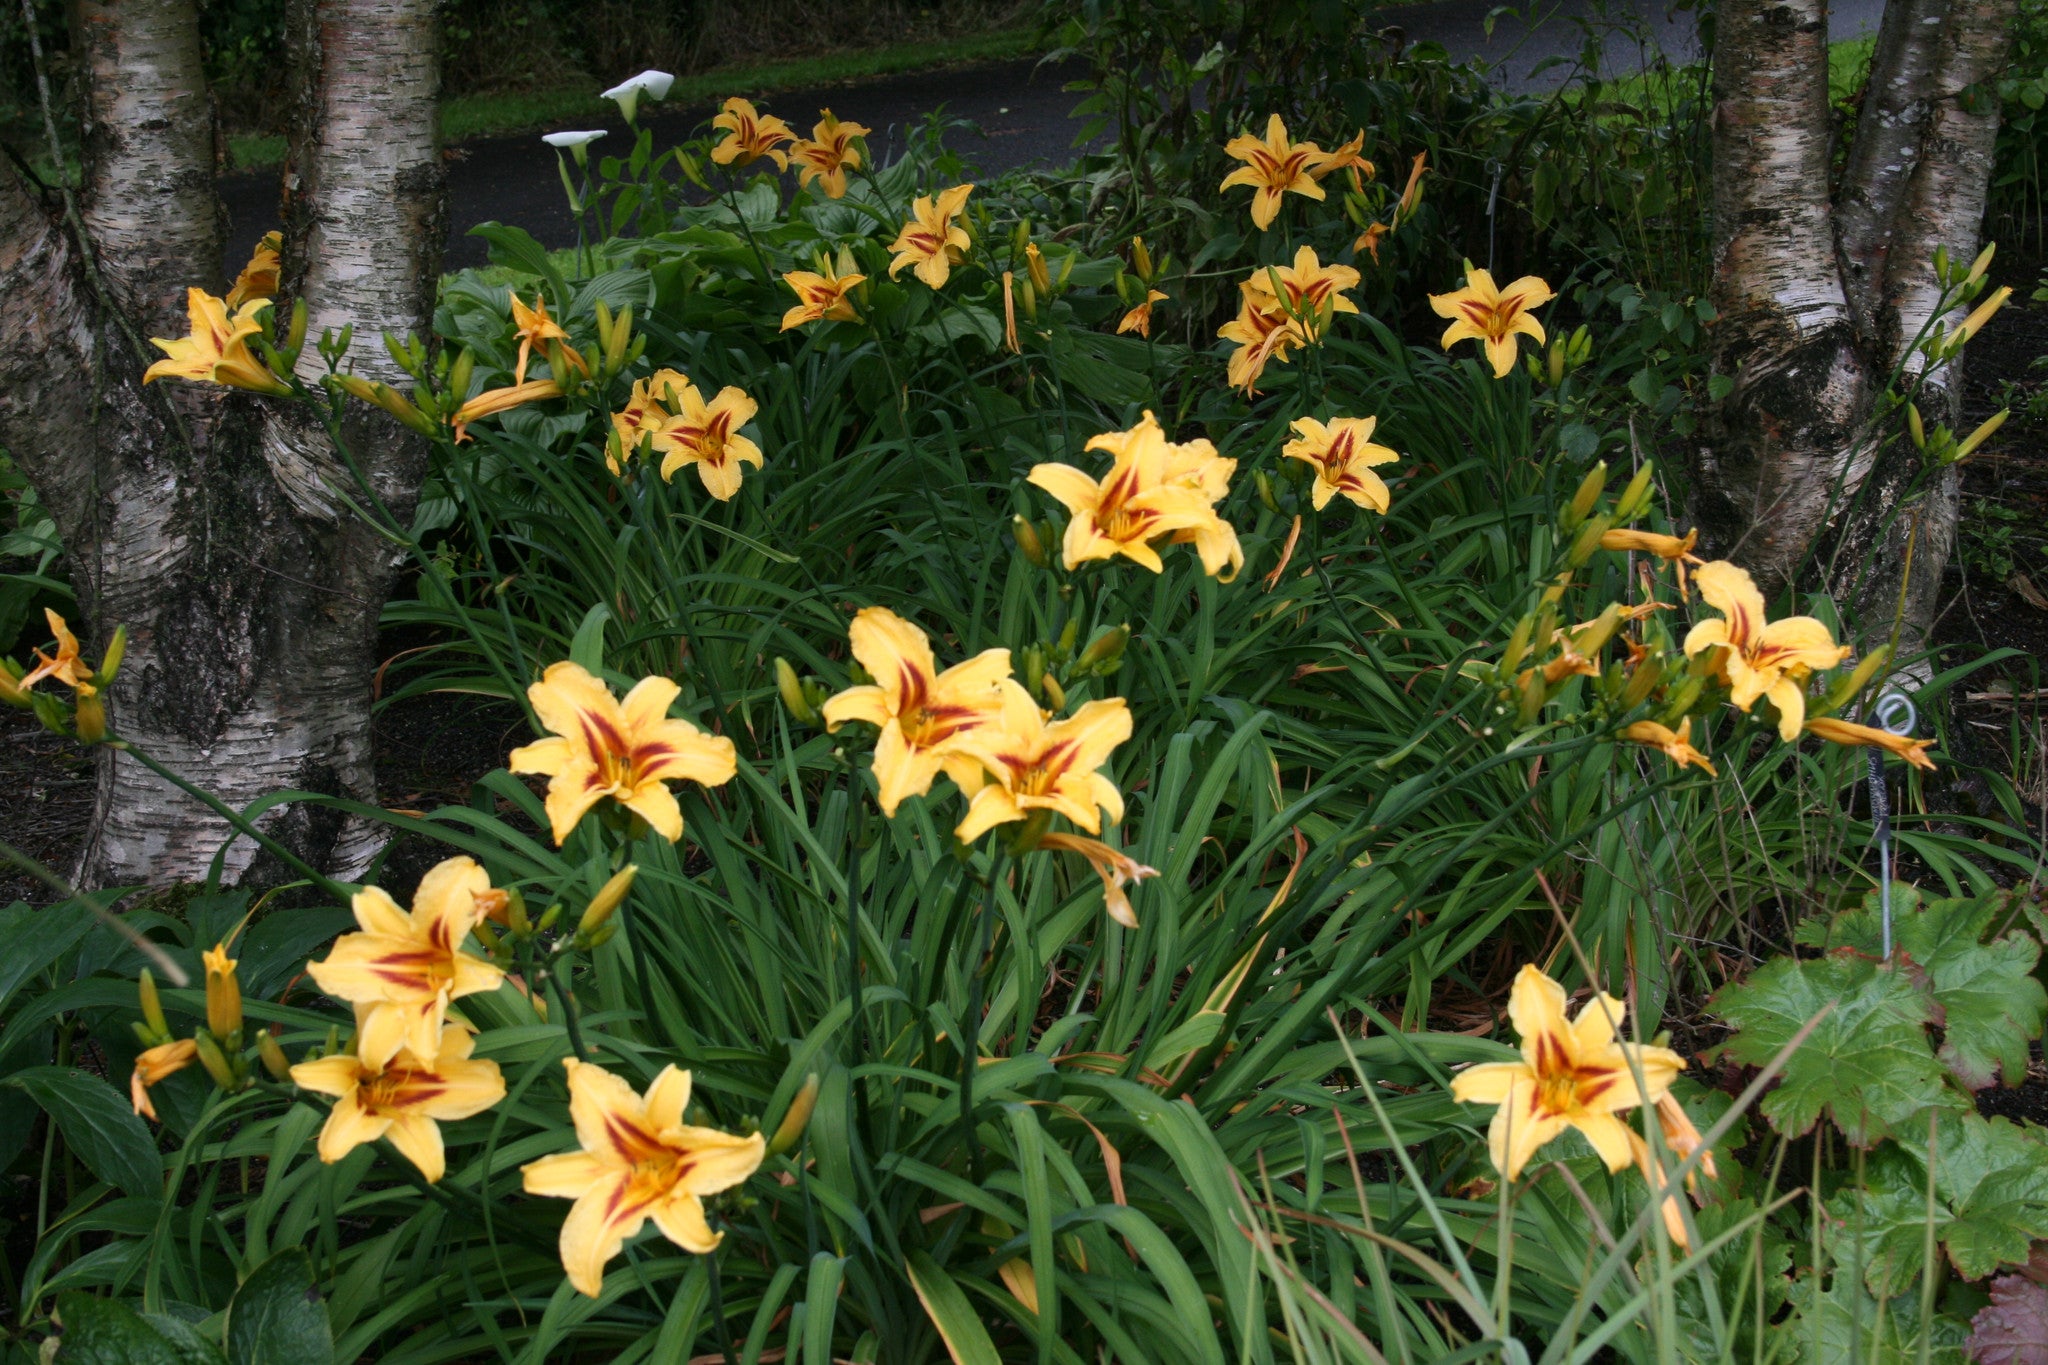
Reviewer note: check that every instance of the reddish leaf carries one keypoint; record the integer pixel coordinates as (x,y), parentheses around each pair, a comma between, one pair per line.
(2013,1329)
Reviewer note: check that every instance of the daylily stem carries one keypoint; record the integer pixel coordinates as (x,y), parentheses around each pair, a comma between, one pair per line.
(718,1308)
(970,1027)
(566,999)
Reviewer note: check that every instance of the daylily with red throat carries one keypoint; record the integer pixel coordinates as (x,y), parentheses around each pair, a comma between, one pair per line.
(1573,1074)
(930,242)
(258,279)
(828,154)
(707,435)
(217,351)
(1760,660)
(1033,766)
(1492,316)
(1342,454)
(1139,500)
(405,1098)
(629,751)
(653,402)
(404,969)
(1273,167)
(750,135)
(1309,288)
(923,714)
(639,1161)
(821,296)
(1262,331)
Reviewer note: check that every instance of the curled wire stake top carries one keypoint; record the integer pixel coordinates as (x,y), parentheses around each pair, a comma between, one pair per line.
(1895,714)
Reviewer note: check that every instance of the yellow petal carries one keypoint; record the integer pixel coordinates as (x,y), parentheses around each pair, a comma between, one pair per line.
(655,804)
(348,1127)
(1609,1136)
(566,1175)
(865,702)
(546,757)
(718,1161)
(1536,1008)
(647,704)
(597,1227)
(418,1140)
(668,1094)
(681,1220)
(1489,1082)
(377,913)
(1790,699)
(336,1075)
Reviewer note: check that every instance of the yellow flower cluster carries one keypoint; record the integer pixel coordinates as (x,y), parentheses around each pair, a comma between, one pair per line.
(1281,307)
(1155,491)
(976,724)
(668,414)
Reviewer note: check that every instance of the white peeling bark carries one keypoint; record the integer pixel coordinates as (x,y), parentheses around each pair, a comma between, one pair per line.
(1886,149)
(252,607)
(1779,449)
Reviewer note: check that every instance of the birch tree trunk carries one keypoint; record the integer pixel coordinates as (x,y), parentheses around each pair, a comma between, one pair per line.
(203,519)
(1824,286)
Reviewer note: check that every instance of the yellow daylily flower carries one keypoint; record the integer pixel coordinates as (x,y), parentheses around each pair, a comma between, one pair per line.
(1761,660)
(534,328)
(402,970)
(1348,158)
(1153,489)
(153,1065)
(707,435)
(653,402)
(1342,453)
(1273,166)
(639,1161)
(493,401)
(1492,316)
(405,1098)
(217,351)
(749,135)
(1139,319)
(1914,751)
(1116,868)
(828,154)
(1575,1074)
(929,241)
(67,667)
(629,751)
(1034,766)
(822,297)
(1674,744)
(1308,287)
(1262,331)
(921,712)
(1677,549)
(258,279)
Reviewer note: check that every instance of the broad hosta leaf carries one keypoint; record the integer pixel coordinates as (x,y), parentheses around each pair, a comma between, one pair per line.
(36,938)
(1991,1007)
(277,1315)
(1867,1065)
(99,1331)
(2013,1328)
(99,1126)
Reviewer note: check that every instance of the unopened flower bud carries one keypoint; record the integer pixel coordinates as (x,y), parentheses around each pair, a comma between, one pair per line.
(1027,299)
(1141,259)
(1265,487)
(1054,693)
(1981,264)
(110,664)
(11,690)
(1557,362)
(90,719)
(216,1062)
(1106,651)
(1915,427)
(791,688)
(1028,543)
(1070,635)
(272,1055)
(796,1118)
(1981,314)
(1534,694)
(1963,452)
(1033,664)
(223,993)
(1518,644)
(1642,682)
(459,375)
(1636,496)
(152,1008)
(1034,262)
(1682,699)
(1590,489)
(1588,540)
(295,338)
(608,899)
(1851,685)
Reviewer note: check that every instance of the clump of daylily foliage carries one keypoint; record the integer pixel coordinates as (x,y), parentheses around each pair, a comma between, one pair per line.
(997,781)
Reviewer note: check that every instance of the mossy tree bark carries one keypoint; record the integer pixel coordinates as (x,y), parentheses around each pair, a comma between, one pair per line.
(206,520)
(1823,282)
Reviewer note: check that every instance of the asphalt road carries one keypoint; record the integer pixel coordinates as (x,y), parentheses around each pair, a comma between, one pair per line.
(1019,109)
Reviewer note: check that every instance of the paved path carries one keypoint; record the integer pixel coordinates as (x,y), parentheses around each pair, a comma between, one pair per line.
(1019,107)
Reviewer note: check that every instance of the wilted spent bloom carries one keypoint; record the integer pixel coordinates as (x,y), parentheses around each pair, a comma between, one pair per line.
(1139,319)
(258,279)
(1493,316)
(66,666)
(534,328)
(1914,751)
(493,401)
(152,1065)
(1676,549)
(1674,744)
(1116,868)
